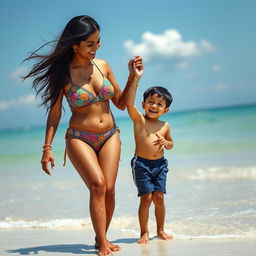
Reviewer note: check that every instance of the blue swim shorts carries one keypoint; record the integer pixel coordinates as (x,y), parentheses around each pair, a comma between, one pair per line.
(149,175)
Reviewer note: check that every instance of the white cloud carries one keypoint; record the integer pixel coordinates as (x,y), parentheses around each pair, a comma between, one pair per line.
(191,74)
(167,46)
(25,100)
(247,85)
(222,86)
(216,68)
(182,65)
(206,46)
(16,74)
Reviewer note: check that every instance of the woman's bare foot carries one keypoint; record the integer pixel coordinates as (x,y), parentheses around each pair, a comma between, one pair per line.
(144,239)
(104,250)
(162,235)
(113,247)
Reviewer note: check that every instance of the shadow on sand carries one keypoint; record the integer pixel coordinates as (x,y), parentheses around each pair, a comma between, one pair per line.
(67,248)
(61,248)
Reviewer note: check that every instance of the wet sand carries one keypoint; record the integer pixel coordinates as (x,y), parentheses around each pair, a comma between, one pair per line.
(80,242)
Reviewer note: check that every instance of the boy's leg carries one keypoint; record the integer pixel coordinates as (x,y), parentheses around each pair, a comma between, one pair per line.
(145,202)
(158,199)
(143,180)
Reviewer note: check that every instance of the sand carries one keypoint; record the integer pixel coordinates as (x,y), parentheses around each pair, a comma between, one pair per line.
(80,242)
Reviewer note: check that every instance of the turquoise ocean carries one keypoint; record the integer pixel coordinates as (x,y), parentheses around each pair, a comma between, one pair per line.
(211,187)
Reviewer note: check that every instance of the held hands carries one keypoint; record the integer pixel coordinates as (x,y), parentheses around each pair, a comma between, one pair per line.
(47,157)
(161,142)
(136,67)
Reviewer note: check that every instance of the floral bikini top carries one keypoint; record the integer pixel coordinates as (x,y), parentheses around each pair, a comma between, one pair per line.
(79,97)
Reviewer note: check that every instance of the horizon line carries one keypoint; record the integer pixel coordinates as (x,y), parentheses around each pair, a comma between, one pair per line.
(123,117)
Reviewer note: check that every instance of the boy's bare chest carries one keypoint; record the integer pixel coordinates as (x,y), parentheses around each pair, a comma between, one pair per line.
(149,130)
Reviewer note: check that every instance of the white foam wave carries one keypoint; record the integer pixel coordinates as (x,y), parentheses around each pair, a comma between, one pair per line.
(180,230)
(55,223)
(195,229)
(10,223)
(222,173)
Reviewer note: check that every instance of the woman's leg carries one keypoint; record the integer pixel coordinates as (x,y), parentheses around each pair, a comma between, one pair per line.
(109,157)
(86,163)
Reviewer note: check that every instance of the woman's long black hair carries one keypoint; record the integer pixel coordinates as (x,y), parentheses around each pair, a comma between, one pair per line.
(51,72)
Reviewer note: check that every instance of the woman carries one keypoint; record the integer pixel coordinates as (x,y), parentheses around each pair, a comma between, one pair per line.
(92,139)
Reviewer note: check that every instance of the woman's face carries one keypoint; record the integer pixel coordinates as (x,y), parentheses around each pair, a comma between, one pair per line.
(89,47)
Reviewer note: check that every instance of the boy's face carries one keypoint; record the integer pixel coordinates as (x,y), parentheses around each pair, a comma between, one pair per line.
(154,106)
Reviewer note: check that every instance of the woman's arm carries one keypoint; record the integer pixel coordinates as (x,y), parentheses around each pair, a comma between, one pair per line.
(119,98)
(51,127)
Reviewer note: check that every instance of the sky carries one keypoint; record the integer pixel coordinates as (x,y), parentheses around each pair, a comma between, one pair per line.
(203,51)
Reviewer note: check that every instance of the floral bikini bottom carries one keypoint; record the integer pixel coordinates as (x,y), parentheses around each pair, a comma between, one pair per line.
(95,140)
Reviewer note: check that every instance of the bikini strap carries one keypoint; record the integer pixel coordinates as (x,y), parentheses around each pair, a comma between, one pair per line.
(70,78)
(65,157)
(71,82)
(65,152)
(98,68)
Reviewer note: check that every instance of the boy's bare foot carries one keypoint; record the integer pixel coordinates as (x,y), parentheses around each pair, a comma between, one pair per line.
(162,235)
(113,247)
(144,239)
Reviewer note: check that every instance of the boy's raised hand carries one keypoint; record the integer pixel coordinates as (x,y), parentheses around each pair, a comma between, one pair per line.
(136,67)
(137,72)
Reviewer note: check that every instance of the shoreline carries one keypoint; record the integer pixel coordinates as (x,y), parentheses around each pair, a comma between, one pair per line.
(79,241)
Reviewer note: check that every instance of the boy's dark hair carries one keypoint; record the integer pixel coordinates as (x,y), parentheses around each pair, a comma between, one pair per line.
(161,92)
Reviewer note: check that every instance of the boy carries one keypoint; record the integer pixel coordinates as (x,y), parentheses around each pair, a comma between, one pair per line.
(149,166)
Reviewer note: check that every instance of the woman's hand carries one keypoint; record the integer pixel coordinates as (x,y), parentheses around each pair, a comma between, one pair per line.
(135,67)
(47,157)
(137,72)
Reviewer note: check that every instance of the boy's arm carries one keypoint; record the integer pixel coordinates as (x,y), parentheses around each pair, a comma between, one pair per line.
(164,141)
(168,138)
(132,110)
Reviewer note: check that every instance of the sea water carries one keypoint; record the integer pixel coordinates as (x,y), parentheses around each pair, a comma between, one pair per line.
(211,186)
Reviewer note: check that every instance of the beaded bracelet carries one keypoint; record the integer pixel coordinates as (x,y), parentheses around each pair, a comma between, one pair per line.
(47,147)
